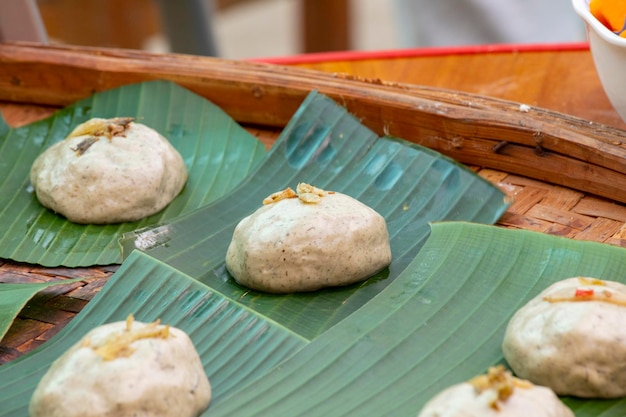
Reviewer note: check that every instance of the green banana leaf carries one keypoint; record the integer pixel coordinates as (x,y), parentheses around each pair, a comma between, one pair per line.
(217,151)
(440,322)
(326,146)
(4,127)
(223,332)
(13,298)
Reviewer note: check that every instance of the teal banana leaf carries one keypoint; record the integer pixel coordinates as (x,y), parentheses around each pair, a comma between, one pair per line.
(326,146)
(217,151)
(440,322)
(4,127)
(235,343)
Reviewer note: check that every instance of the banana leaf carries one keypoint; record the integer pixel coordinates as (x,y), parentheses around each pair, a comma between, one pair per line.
(326,146)
(13,298)
(440,322)
(217,151)
(4,127)
(234,342)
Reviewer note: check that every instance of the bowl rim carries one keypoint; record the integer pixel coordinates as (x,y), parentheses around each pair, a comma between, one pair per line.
(582,9)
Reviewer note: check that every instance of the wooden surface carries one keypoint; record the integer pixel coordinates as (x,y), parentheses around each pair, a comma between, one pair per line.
(548,80)
(473,129)
(565,80)
(51,309)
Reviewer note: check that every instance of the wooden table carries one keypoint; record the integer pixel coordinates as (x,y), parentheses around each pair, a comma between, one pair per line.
(559,78)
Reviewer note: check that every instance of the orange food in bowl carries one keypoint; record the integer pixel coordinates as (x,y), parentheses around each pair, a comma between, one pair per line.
(611,13)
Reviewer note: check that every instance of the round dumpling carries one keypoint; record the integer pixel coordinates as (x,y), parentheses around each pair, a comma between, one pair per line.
(125,369)
(572,338)
(108,171)
(497,394)
(308,240)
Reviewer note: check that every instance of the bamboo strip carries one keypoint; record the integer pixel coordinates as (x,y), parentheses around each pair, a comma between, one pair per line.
(475,130)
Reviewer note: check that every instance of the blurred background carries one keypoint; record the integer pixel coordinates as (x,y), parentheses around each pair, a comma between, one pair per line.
(241,29)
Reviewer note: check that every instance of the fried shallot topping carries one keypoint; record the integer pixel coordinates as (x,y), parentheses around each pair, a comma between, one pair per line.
(591,281)
(119,345)
(500,381)
(305,192)
(587,292)
(103,127)
(82,147)
(280,195)
(97,128)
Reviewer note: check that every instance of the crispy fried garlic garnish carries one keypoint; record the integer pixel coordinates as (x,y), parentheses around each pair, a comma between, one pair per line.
(103,127)
(591,281)
(119,345)
(97,128)
(280,195)
(500,381)
(305,192)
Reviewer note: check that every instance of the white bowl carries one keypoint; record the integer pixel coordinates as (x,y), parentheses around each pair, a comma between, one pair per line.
(609,56)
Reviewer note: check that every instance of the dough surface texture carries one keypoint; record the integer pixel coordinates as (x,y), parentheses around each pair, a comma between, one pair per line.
(572,338)
(309,240)
(125,369)
(503,396)
(108,171)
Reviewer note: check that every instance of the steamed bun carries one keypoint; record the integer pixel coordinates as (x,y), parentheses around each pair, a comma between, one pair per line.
(109,171)
(572,338)
(306,241)
(496,394)
(125,369)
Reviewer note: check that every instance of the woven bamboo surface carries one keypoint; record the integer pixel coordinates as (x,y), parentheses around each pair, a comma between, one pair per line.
(50,309)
